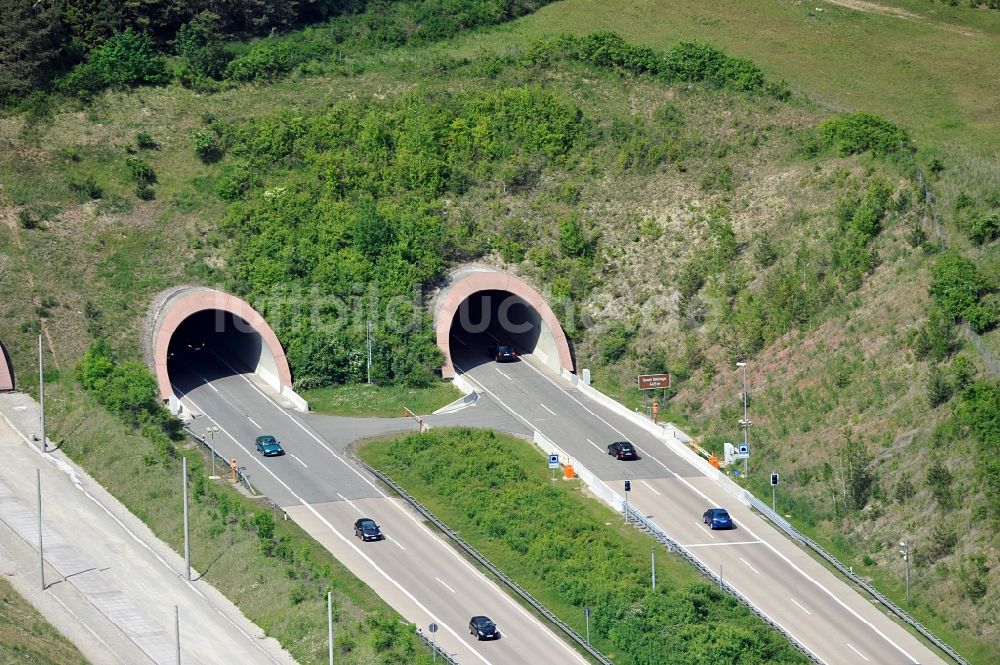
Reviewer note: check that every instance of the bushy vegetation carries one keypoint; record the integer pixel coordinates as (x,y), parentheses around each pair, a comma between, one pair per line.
(958,288)
(854,133)
(114,45)
(359,219)
(128,390)
(685,62)
(560,542)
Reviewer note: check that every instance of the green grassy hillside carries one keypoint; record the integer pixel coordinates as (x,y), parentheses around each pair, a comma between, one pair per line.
(26,637)
(680,216)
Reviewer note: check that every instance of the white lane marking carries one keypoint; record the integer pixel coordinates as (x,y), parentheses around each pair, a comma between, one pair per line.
(707,529)
(748,564)
(788,561)
(350,503)
(596,446)
(650,487)
(395,542)
(303,428)
(75,479)
(298,460)
(89,629)
(510,600)
(349,542)
(253,422)
(504,374)
(856,651)
(445,585)
(800,606)
(742,542)
(547,409)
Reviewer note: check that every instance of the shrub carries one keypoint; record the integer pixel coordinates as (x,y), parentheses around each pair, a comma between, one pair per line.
(140,170)
(983,228)
(854,133)
(145,192)
(27,220)
(125,60)
(200,47)
(145,142)
(206,145)
(939,481)
(957,287)
(615,341)
(87,187)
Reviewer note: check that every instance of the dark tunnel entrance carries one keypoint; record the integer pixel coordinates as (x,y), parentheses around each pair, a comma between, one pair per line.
(212,344)
(491,317)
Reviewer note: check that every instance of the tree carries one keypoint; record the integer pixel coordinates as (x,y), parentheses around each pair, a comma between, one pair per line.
(30,47)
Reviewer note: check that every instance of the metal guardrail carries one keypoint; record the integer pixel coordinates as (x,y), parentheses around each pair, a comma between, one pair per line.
(225,463)
(435,647)
(640,521)
(486,563)
(785,526)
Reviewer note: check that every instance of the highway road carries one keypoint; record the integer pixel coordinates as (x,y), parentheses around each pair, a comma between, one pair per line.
(414,569)
(825,614)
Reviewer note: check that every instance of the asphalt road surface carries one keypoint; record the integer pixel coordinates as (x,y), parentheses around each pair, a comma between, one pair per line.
(822,612)
(414,569)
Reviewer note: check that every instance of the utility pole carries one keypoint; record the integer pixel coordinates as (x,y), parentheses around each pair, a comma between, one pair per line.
(904,549)
(653,566)
(211,432)
(41,391)
(369,336)
(329,622)
(745,423)
(586,616)
(177,632)
(41,554)
(187,542)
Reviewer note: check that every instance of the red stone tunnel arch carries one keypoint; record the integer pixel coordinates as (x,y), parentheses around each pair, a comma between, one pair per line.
(467,282)
(174,306)
(6,370)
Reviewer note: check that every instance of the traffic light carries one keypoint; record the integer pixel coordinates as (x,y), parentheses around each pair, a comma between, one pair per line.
(774,479)
(628,486)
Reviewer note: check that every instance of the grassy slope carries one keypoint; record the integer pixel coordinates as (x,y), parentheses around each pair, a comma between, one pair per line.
(130,254)
(380,401)
(26,637)
(926,72)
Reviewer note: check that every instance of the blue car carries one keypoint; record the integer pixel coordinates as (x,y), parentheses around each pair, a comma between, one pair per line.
(268,446)
(717,518)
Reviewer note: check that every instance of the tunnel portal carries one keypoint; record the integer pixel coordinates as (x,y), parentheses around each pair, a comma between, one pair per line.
(482,308)
(193,335)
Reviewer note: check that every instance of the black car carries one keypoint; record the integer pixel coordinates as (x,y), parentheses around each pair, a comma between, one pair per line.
(502,353)
(366,529)
(622,450)
(483,628)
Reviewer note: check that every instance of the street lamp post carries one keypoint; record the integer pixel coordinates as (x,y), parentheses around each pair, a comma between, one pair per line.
(211,433)
(904,549)
(745,423)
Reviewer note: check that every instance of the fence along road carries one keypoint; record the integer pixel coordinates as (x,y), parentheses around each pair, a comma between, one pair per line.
(822,613)
(415,570)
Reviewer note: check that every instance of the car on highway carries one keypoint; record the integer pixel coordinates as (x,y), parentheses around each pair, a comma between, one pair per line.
(502,353)
(268,446)
(718,518)
(622,450)
(366,529)
(483,628)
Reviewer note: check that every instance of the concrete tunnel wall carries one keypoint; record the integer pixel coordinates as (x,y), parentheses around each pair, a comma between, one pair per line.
(172,307)
(551,347)
(6,370)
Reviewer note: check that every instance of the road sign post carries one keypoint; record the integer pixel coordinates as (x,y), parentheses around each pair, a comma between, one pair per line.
(774,483)
(433,628)
(586,615)
(553,464)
